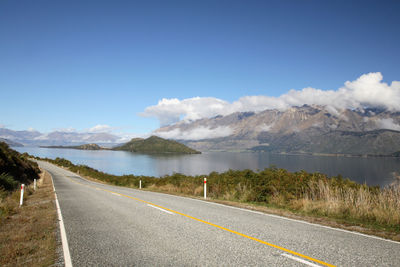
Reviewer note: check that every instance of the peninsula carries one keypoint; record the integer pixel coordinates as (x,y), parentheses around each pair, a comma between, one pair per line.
(81,147)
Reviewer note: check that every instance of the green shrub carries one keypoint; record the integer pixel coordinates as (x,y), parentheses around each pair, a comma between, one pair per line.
(16,168)
(7,182)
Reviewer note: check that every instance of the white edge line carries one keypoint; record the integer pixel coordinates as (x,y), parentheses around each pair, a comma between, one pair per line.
(160,209)
(64,241)
(116,194)
(252,211)
(300,260)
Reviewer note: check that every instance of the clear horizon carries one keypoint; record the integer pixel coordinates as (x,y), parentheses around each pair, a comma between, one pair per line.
(127,66)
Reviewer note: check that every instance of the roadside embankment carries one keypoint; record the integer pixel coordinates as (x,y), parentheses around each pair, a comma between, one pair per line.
(314,197)
(28,233)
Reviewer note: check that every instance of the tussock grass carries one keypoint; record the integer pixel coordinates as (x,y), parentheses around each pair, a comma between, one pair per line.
(27,233)
(361,203)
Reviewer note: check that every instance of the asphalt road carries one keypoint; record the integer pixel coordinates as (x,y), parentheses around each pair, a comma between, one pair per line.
(115,226)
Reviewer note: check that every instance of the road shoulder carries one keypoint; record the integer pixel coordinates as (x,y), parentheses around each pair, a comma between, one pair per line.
(28,234)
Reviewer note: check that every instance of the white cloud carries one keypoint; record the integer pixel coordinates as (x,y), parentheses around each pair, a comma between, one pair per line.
(367,91)
(388,124)
(42,137)
(126,137)
(171,110)
(196,134)
(100,128)
(265,127)
(65,130)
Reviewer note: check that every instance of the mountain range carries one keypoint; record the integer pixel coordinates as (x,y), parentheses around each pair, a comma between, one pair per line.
(305,129)
(58,138)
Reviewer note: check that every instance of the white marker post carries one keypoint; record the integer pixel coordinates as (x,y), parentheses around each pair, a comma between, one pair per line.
(34,184)
(140,184)
(22,195)
(205,188)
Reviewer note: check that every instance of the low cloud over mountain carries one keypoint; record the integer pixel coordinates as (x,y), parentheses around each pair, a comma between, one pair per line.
(305,129)
(197,133)
(368,91)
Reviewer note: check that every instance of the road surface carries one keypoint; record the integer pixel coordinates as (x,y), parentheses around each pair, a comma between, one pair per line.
(115,226)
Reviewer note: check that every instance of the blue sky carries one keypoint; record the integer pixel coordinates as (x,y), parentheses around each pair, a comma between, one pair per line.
(77,64)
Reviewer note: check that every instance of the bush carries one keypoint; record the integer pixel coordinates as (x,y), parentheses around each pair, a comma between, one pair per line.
(16,166)
(7,182)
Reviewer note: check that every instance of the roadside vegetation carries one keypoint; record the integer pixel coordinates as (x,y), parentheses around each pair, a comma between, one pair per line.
(27,233)
(15,169)
(301,193)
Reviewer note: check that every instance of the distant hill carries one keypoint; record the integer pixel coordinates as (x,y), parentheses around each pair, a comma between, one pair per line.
(81,147)
(89,147)
(155,145)
(15,168)
(11,143)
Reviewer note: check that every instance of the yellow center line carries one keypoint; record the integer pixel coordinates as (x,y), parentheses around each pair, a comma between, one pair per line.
(220,227)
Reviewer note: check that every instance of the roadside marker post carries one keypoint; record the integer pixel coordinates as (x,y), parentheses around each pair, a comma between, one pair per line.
(205,188)
(140,184)
(34,184)
(22,195)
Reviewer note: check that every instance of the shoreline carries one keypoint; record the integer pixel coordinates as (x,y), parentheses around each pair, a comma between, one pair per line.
(243,151)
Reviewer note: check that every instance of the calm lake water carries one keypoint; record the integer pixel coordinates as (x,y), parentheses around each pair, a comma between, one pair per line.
(373,171)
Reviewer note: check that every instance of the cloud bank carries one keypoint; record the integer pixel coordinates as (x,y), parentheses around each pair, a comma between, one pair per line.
(198,133)
(171,110)
(367,91)
(100,128)
(388,124)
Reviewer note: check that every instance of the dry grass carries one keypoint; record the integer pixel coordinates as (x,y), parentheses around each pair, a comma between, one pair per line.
(361,204)
(185,190)
(28,233)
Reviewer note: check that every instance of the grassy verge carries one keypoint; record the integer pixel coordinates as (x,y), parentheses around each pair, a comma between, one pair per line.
(28,233)
(314,197)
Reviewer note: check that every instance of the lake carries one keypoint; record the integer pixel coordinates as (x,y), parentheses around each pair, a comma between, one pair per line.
(373,171)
